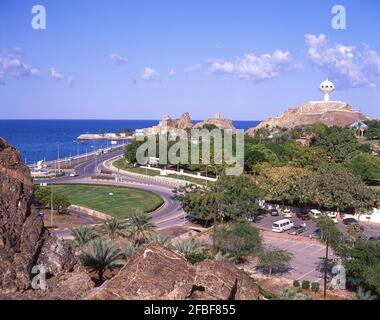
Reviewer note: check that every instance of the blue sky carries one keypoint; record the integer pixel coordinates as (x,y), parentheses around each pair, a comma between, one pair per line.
(141,59)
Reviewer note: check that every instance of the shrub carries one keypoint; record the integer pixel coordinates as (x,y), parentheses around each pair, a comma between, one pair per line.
(305,284)
(315,287)
(296,284)
(238,240)
(196,257)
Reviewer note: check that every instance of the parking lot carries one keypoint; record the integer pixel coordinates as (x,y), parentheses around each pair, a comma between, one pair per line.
(307,254)
(265,223)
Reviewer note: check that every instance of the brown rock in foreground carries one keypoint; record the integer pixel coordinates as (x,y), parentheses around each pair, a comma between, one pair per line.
(330,113)
(156,272)
(24,242)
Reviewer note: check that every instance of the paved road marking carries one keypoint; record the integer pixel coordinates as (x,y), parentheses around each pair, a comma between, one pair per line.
(311,245)
(316,251)
(305,274)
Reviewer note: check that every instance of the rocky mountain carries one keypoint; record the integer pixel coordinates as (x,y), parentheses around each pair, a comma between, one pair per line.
(330,113)
(217,121)
(24,241)
(157,273)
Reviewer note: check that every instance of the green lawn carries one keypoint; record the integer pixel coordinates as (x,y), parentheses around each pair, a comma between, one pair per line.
(119,205)
(122,165)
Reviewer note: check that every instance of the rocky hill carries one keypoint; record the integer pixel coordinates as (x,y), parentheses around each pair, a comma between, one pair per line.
(217,121)
(330,113)
(24,241)
(157,273)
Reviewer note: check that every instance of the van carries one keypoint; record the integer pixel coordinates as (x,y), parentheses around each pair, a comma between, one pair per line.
(315,213)
(282,225)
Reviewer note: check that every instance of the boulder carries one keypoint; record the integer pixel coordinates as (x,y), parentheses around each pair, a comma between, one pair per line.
(157,273)
(24,241)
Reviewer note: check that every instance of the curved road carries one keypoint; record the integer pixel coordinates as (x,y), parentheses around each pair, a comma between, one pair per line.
(170,214)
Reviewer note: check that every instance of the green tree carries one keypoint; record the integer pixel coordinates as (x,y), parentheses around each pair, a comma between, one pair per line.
(273,259)
(131,150)
(258,153)
(192,250)
(115,228)
(362,264)
(339,143)
(373,131)
(198,202)
(127,131)
(140,226)
(286,184)
(239,240)
(100,256)
(237,196)
(83,235)
(334,187)
(365,166)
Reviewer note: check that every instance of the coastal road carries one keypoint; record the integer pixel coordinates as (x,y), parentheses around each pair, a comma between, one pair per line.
(169,215)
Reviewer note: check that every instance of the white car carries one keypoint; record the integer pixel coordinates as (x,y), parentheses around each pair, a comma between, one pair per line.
(282,225)
(73,174)
(288,213)
(333,215)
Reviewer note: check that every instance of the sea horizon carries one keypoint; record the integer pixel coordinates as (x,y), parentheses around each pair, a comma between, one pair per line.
(49,139)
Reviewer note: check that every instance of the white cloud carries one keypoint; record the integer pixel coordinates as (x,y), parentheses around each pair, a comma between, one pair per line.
(347,66)
(150,74)
(171,72)
(117,58)
(56,75)
(221,67)
(193,67)
(255,68)
(13,65)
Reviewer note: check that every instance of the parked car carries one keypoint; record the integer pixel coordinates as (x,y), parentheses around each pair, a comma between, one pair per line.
(190,218)
(317,234)
(350,221)
(314,213)
(282,225)
(73,174)
(252,218)
(333,215)
(288,213)
(273,212)
(303,215)
(296,230)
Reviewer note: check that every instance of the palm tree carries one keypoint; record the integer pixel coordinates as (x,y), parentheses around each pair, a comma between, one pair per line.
(130,250)
(114,228)
(140,226)
(159,239)
(101,255)
(83,235)
(364,295)
(188,247)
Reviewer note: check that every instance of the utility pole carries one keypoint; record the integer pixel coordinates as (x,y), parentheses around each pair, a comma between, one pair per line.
(326,262)
(51,206)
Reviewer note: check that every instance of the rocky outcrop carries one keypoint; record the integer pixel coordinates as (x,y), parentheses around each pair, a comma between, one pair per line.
(24,241)
(217,121)
(331,113)
(156,273)
(168,124)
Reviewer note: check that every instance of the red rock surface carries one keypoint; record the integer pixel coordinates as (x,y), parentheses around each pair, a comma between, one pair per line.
(156,272)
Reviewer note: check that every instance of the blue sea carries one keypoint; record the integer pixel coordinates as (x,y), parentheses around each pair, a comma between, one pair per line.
(41,139)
